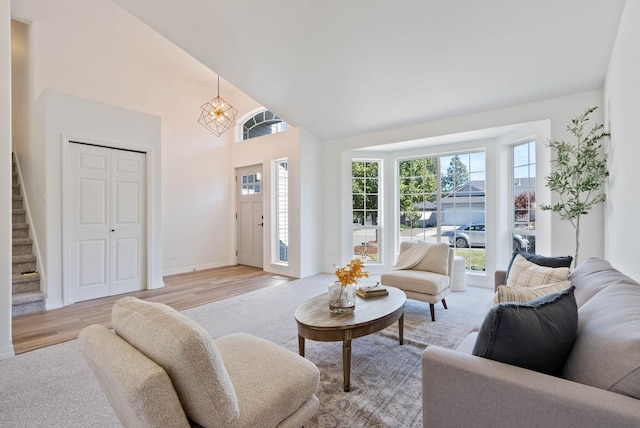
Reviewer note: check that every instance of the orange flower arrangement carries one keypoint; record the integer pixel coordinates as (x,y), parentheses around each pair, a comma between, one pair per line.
(351,273)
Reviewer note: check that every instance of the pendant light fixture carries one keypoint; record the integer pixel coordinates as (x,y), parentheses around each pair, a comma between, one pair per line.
(217,115)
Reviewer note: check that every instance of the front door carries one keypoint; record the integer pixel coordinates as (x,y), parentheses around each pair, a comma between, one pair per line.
(250,218)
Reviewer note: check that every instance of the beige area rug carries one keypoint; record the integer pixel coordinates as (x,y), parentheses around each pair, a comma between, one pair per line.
(53,386)
(386,389)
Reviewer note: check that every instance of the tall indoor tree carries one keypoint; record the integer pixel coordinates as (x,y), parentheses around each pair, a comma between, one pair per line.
(580,171)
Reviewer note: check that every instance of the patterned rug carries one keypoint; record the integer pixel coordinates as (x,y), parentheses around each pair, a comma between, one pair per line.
(386,389)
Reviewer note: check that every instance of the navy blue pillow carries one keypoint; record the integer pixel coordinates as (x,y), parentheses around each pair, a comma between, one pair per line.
(552,262)
(537,335)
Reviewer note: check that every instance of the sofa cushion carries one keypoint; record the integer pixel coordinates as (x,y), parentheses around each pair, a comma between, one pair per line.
(527,274)
(504,293)
(186,352)
(138,389)
(593,275)
(537,335)
(546,261)
(606,353)
(416,281)
(271,382)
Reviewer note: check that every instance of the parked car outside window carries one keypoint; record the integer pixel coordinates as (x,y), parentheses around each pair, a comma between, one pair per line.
(473,235)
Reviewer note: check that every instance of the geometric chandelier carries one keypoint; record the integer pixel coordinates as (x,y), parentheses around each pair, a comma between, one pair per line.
(217,115)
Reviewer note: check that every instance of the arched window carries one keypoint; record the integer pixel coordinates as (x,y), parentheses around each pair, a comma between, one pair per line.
(262,123)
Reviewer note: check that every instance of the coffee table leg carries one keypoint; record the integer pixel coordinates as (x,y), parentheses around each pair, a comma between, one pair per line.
(301,345)
(346,360)
(401,328)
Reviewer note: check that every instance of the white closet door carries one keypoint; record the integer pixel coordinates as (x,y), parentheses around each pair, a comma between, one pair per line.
(106,221)
(127,221)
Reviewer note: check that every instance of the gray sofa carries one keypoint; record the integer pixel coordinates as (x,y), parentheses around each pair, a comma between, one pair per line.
(600,381)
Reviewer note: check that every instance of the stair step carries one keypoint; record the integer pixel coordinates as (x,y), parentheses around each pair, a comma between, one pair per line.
(20,230)
(27,303)
(24,283)
(22,246)
(23,263)
(18,215)
(17,202)
(14,178)
(16,189)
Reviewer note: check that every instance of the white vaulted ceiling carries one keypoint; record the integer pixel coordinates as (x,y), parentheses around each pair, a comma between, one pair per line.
(346,67)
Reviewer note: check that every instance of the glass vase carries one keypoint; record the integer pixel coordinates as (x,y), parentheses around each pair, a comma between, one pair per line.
(342,300)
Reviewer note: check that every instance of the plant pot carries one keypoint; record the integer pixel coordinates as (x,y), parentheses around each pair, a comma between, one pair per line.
(342,300)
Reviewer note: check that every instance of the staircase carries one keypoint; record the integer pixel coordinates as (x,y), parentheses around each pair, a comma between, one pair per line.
(25,281)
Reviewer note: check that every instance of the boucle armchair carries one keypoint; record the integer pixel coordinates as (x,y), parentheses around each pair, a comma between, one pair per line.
(161,369)
(423,271)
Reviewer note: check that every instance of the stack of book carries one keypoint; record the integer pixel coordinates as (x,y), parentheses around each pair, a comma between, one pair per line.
(372,291)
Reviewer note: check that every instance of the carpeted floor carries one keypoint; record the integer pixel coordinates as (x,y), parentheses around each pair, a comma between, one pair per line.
(53,386)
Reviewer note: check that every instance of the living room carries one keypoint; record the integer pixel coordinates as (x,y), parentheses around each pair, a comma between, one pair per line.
(185,174)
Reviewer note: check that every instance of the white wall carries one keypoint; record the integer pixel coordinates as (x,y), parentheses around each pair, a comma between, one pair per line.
(622,101)
(67,117)
(557,112)
(309,211)
(6,347)
(96,51)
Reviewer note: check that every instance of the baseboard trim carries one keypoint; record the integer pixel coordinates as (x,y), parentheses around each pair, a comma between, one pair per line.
(156,285)
(195,268)
(54,304)
(7,352)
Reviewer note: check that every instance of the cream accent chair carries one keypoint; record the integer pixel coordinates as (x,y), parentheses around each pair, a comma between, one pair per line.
(429,280)
(161,369)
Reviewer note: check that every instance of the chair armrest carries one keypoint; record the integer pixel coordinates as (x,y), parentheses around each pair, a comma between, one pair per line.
(500,278)
(458,388)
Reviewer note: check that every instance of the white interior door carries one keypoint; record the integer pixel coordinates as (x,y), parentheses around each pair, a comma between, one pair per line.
(106,221)
(250,218)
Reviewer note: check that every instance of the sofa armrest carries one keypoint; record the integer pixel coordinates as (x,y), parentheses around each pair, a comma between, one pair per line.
(500,278)
(462,390)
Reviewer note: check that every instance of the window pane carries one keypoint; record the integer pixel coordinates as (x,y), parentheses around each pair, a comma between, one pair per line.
(358,185)
(358,202)
(365,244)
(372,185)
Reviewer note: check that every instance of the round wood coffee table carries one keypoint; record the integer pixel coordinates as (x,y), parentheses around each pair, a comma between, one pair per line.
(316,322)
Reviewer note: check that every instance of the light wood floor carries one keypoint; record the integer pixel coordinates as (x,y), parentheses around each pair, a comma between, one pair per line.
(181,292)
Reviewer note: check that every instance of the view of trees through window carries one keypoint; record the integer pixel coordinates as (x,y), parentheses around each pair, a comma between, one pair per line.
(365,177)
(442,199)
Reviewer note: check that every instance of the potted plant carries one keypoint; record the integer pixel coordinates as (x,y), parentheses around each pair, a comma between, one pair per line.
(580,172)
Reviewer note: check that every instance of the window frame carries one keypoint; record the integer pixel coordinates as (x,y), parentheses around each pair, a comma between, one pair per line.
(240,124)
(531,186)
(377,228)
(281,211)
(442,161)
